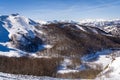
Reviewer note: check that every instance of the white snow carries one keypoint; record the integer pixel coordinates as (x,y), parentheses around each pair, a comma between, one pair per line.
(62,69)
(81,28)
(109,28)
(47,46)
(109,62)
(115,66)
(97,54)
(100,58)
(7,76)
(112,29)
(10,54)
(65,63)
(67,71)
(6,49)
(113,69)
(91,20)
(41,22)
(19,24)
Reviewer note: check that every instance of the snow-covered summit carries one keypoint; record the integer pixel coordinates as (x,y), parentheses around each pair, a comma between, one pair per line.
(100,22)
(16,24)
(41,21)
(91,20)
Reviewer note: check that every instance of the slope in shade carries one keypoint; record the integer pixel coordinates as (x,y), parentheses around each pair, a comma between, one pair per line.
(4,48)
(3,34)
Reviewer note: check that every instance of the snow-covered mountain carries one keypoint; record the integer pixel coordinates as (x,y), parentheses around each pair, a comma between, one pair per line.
(100,22)
(18,32)
(109,26)
(80,46)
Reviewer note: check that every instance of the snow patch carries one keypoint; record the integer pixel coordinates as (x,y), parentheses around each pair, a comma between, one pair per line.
(100,58)
(113,69)
(81,28)
(64,69)
(7,76)
(67,71)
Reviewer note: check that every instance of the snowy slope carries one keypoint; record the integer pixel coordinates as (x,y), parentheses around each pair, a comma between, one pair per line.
(16,24)
(100,58)
(114,30)
(112,71)
(107,60)
(20,30)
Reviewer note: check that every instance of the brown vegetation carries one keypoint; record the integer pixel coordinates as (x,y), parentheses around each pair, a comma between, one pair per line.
(85,74)
(75,62)
(69,41)
(29,66)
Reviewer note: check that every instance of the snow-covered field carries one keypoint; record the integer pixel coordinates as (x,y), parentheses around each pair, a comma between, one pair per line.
(100,58)
(6,76)
(108,60)
(112,71)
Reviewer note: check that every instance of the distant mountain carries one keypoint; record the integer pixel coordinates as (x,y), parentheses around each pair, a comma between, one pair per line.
(100,22)
(109,26)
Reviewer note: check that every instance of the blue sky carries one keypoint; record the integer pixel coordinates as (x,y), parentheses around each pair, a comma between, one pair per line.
(62,9)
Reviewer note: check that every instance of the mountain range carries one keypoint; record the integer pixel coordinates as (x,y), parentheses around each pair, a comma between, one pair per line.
(82,47)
